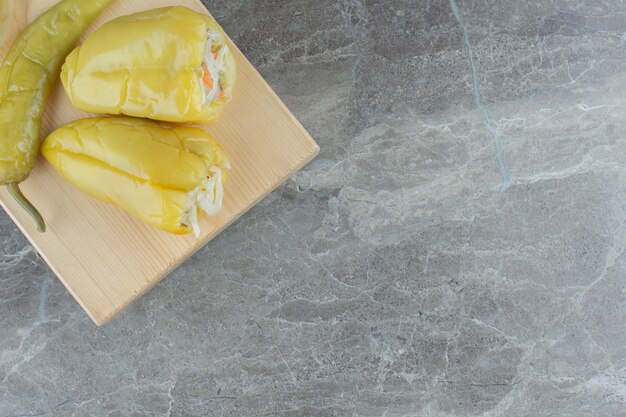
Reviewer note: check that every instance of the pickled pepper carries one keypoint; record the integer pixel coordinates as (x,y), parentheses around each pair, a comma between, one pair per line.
(165,176)
(169,64)
(27,75)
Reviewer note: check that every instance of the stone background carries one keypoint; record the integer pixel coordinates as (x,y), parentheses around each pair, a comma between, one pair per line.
(456,250)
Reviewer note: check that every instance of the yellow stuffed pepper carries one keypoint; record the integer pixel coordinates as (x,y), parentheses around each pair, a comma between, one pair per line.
(165,176)
(170,64)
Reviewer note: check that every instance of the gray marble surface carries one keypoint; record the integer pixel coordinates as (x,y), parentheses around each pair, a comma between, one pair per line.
(456,250)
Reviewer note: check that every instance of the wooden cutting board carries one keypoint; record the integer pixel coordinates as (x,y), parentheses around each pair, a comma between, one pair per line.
(104,257)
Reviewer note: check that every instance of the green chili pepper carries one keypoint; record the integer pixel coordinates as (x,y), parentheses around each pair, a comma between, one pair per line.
(30,69)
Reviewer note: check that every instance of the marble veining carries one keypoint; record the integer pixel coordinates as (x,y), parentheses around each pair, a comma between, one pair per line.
(493,132)
(457,249)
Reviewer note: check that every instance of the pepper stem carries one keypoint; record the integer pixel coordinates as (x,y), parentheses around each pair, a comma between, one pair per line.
(16,193)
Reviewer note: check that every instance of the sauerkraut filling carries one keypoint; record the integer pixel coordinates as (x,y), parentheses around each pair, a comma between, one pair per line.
(206,197)
(214,67)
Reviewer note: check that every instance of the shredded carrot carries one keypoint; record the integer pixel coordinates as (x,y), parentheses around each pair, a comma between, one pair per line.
(206,76)
(216,55)
(222,95)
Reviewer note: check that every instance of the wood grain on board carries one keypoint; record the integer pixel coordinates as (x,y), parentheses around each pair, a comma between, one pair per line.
(104,257)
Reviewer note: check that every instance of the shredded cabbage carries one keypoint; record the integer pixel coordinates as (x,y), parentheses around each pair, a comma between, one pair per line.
(207,196)
(215,66)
